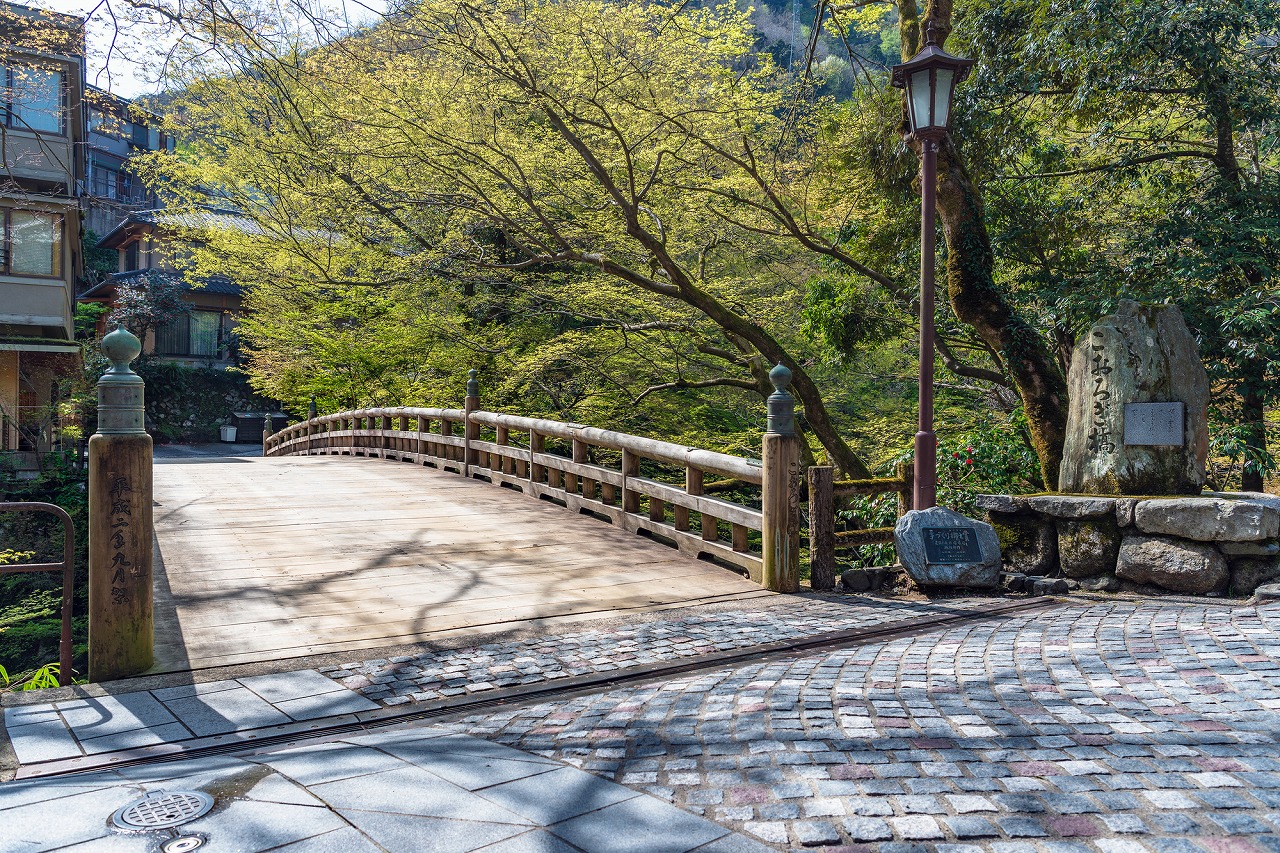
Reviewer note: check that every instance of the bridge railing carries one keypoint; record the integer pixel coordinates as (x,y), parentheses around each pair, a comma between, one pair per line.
(638,484)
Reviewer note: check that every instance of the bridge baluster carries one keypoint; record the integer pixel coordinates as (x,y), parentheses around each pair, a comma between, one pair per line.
(681,513)
(630,468)
(537,444)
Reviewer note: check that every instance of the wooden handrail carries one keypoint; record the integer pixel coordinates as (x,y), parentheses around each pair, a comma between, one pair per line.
(619,494)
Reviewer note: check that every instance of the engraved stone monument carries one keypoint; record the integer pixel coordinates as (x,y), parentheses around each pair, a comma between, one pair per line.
(1137,422)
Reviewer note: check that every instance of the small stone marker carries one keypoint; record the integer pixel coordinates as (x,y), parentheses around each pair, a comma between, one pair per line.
(1137,422)
(940,547)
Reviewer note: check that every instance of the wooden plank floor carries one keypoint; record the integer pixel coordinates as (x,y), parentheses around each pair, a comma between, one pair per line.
(266,559)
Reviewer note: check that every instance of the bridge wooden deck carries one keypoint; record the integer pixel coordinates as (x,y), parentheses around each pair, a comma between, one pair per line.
(266,559)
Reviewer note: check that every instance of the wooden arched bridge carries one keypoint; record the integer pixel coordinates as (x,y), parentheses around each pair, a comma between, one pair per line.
(311,549)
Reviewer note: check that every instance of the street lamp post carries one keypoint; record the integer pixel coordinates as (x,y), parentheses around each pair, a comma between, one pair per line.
(930,78)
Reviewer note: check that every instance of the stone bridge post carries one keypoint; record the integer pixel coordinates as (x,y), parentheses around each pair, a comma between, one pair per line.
(780,523)
(121,633)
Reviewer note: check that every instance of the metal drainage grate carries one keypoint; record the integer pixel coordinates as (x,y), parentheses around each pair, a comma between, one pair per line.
(162,810)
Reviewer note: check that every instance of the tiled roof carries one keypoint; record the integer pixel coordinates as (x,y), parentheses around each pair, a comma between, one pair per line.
(217,284)
(204,219)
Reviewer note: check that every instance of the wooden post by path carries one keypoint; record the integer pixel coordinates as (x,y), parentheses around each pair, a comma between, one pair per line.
(780,528)
(121,640)
(822,527)
(470,431)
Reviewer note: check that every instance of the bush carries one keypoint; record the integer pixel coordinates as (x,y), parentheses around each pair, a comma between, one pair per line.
(31,603)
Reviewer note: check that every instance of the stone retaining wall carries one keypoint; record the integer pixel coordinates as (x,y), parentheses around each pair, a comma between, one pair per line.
(1216,543)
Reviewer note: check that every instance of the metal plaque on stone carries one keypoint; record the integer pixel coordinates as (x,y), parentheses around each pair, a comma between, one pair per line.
(951,545)
(1156,424)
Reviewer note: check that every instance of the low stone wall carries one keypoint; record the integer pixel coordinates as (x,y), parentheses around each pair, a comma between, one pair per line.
(1215,543)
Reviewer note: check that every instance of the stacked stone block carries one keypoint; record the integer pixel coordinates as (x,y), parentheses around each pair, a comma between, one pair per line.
(1219,543)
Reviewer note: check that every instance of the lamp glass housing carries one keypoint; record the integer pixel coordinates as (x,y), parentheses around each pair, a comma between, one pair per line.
(920,95)
(930,78)
(944,83)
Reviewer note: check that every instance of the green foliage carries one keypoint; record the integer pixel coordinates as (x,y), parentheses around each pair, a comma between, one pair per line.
(187,403)
(30,602)
(86,320)
(98,261)
(43,678)
(1130,150)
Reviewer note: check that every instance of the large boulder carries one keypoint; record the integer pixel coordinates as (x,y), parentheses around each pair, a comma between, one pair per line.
(1141,354)
(1088,547)
(963,552)
(1174,564)
(1208,519)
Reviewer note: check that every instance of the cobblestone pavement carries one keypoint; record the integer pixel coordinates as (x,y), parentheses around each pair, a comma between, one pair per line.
(666,636)
(1117,727)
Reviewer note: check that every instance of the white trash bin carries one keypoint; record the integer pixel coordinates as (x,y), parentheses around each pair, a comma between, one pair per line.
(228,434)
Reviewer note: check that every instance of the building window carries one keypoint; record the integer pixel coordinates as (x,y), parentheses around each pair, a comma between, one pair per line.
(34,98)
(105,182)
(199,334)
(33,243)
(131,257)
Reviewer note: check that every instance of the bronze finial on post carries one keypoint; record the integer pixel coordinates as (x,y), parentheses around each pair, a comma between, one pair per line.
(470,431)
(121,632)
(780,527)
(312,411)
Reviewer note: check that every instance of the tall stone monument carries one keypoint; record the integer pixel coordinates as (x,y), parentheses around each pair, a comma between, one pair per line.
(1137,422)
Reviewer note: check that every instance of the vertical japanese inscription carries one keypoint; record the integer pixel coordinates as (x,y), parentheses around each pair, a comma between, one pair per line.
(121,515)
(1100,438)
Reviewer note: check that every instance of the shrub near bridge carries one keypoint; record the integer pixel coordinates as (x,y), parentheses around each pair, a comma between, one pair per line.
(30,603)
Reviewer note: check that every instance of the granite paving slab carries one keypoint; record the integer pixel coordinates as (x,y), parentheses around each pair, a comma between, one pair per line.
(217,712)
(367,800)
(46,740)
(102,724)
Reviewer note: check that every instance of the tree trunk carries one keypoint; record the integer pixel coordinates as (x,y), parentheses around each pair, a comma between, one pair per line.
(971,287)
(977,300)
(1252,386)
(1255,437)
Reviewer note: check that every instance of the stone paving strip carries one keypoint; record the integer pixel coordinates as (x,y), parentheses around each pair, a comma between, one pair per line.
(94,725)
(1117,728)
(98,725)
(668,636)
(411,789)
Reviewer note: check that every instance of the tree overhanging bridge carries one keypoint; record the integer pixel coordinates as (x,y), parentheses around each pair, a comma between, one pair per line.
(381,528)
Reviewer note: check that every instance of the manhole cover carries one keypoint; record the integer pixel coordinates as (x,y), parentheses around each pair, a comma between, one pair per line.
(163,810)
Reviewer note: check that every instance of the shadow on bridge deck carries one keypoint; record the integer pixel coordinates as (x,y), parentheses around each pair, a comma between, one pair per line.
(268,559)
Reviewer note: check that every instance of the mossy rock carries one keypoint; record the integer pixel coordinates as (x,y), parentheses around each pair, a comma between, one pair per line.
(1088,547)
(1028,544)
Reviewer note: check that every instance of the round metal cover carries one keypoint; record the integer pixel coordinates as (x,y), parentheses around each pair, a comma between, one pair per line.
(163,810)
(182,844)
